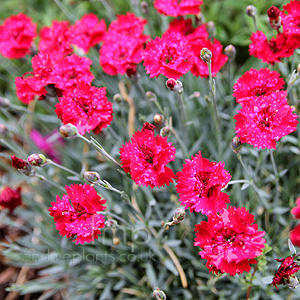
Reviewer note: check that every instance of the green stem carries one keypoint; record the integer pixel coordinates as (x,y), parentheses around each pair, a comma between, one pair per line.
(183,111)
(41,177)
(239,157)
(181,143)
(159,107)
(276,178)
(255,24)
(63,168)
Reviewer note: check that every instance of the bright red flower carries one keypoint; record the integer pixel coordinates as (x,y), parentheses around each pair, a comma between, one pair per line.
(291,21)
(199,185)
(56,40)
(87,32)
(296,210)
(86,107)
(21,165)
(75,214)
(123,45)
(264,120)
(295,236)
(169,55)
(181,25)
(230,241)
(145,158)
(177,8)
(257,83)
(10,198)
(286,271)
(200,68)
(16,36)
(271,51)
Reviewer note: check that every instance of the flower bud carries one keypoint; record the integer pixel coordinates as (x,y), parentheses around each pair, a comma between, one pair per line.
(91,176)
(159,294)
(151,96)
(251,10)
(292,282)
(179,215)
(4,102)
(68,131)
(197,94)
(274,17)
(211,29)
(298,69)
(111,223)
(21,165)
(117,98)
(236,144)
(37,160)
(158,119)
(206,55)
(3,129)
(230,51)
(174,85)
(145,7)
(165,131)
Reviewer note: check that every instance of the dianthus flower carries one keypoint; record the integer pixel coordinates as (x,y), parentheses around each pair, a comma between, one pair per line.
(230,241)
(86,107)
(10,198)
(145,158)
(16,36)
(271,51)
(199,185)
(264,120)
(296,210)
(169,55)
(286,271)
(87,32)
(21,165)
(200,67)
(123,45)
(177,8)
(48,144)
(63,75)
(295,235)
(257,83)
(181,25)
(56,40)
(75,214)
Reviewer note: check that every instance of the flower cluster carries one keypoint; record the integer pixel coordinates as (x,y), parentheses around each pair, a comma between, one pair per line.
(230,241)
(123,45)
(75,213)
(145,158)
(286,42)
(265,116)
(16,36)
(10,198)
(199,185)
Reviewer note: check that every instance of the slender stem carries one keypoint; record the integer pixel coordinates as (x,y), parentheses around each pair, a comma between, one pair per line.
(249,287)
(276,178)
(239,157)
(181,143)
(43,178)
(238,181)
(159,107)
(255,24)
(183,111)
(63,168)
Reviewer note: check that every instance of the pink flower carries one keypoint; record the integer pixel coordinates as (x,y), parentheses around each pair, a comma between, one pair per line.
(230,241)
(10,198)
(271,51)
(16,36)
(145,158)
(169,55)
(257,83)
(75,214)
(264,120)
(48,144)
(181,25)
(296,210)
(177,8)
(123,45)
(199,185)
(87,32)
(291,21)
(56,40)
(295,236)
(86,107)
(286,271)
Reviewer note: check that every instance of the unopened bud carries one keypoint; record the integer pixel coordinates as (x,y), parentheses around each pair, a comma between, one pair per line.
(211,29)
(21,165)
(200,19)
(179,215)
(117,98)
(197,94)
(292,282)
(91,176)
(230,51)
(158,119)
(111,223)
(274,17)
(174,85)
(4,102)
(236,144)
(68,131)
(3,129)
(37,160)
(131,72)
(159,294)
(151,96)
(145,7)
(206,55)
(298,69)
(165,131)
(251,10)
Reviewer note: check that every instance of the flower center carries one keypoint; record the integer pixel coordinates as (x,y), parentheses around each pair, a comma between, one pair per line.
(201,183)
(168,54)
(147,153)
